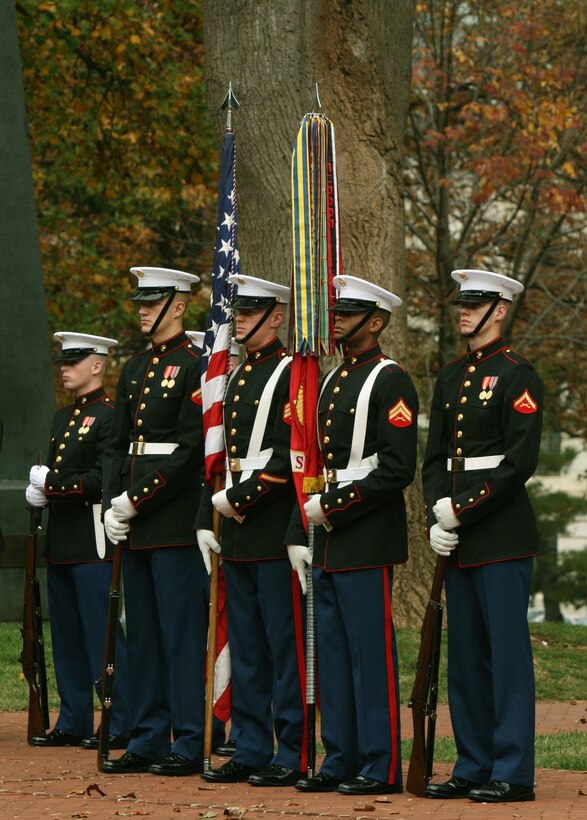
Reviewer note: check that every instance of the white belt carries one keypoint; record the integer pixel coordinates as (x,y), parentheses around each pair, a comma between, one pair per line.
(462,464)
(350,474)
(143,448)
(239,465)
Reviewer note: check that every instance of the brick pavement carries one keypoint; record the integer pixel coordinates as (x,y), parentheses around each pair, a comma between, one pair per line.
(64,783)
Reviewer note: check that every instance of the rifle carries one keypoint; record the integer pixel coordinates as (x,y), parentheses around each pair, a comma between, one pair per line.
(33,646)
(108,673)
(425,690)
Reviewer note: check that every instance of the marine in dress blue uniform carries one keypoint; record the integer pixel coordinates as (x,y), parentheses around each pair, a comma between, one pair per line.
(265,630)
(79,566)
(483,444)
(152,487)
(367,415)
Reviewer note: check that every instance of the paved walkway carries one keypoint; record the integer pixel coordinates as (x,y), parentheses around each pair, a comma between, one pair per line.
(64,783)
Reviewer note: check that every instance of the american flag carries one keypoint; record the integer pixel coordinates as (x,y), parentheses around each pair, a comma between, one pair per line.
(219,325)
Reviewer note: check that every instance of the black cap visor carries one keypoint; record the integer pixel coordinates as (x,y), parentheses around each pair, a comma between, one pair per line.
(151,294)
(352,306)
(75,354)
(476,297)
(252,302)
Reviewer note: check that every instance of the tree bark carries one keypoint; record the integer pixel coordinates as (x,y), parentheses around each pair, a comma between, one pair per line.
(359,53)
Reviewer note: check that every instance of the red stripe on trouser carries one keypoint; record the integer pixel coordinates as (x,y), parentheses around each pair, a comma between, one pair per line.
(392,694)
(297,610)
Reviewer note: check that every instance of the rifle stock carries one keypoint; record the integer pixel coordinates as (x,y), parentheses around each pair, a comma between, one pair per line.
(33,646)
(425,690)
(108,673)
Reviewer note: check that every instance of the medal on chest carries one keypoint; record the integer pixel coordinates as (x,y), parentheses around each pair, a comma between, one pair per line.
(487,385)
(169,375)
(86,424)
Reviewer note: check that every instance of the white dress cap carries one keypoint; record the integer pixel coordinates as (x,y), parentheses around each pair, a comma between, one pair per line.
(257,290)
(83,343)
(352,291)
(479,285)
(164,278)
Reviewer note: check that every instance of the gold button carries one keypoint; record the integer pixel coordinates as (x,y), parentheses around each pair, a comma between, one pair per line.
(241,382)
(135,498)
(472,368)
(352,411)
(236,398)
(354,360)
(463,399)
(467,383)
(71,423)
(233,449)
(66,435)
(331,406)
(145,489)
(58,458)
(471,500)
(457,506)
(163,348)
(328,422)
(150,374)
(233,416)
(259,488)
(164,395)
(339,500)
(351,495)
(256,402)
(344,374)
(62,446)
(482,492)
(141,438)
(139,422)
(329,456)
(336,389)
(84,400)
(76,412)
(248,498)
(326,439)
(479,354)
(50,488)
(446,406)
(156,360)
(248,368)
(327,506)
(156,481)
(460,434)
(56,470)
(130,394)
(257,355)
(460,417)
(142,405)
(233,431)
(75,486)
(147,390)
(459,451)
(62,489)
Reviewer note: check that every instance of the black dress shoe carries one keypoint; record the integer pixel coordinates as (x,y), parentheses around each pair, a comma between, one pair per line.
(129,763)
(56,738)
(230,772)
(496,791)
(114,742)
(176,764)
(275,775)
(226,749)
(455,787)
(318,783)
(365,785)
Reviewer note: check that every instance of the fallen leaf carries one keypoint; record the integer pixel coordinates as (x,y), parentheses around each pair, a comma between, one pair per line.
(383,799)
(209,814)
(81,814)
(95,788)
(206,788)
(364,807)
(234,811)
(129,796)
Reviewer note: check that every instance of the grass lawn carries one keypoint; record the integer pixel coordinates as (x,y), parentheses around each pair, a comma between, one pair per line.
(560,662)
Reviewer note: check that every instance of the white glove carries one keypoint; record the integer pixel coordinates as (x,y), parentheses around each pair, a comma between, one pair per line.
(207,542)
(122,508)
(441,541)
(223,505)
(300,558)
(314,511)
(37,476)
(115,530)
(445,515)
(35,497)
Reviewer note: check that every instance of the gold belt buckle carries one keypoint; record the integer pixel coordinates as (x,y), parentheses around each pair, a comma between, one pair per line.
(234,465)
(138,448)
(457,464)
(331,476)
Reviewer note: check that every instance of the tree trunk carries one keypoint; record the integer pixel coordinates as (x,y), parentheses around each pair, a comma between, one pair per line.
(359,53)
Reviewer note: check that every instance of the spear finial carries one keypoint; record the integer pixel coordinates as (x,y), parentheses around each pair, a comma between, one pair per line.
(230,103)
(317,103)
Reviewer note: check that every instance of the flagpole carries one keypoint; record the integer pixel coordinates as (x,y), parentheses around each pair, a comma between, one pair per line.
(229,104)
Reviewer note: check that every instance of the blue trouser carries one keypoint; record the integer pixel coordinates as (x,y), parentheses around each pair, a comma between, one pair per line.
(166,619)
(78,611)
(266,648)
(490,671)
(358,673)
